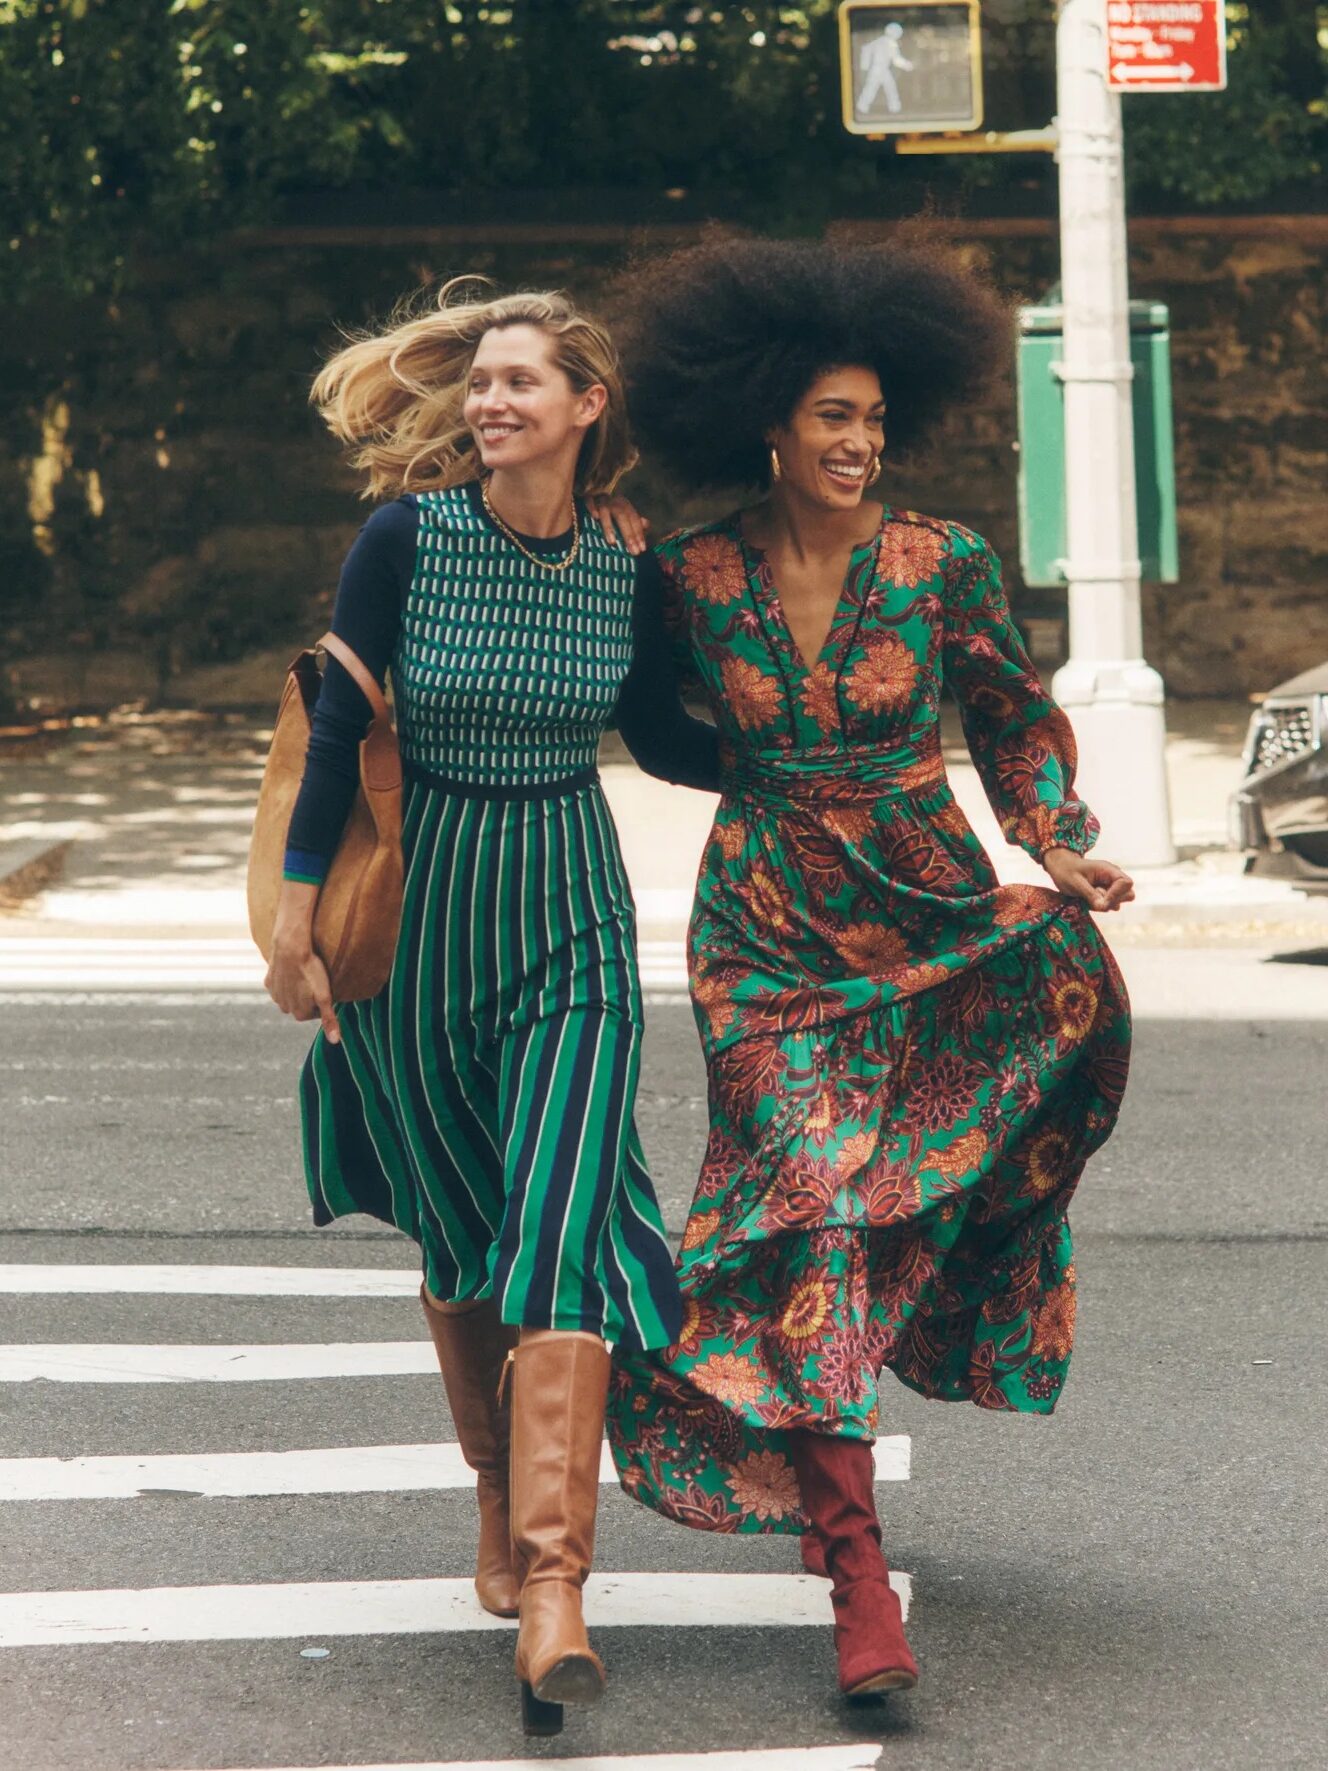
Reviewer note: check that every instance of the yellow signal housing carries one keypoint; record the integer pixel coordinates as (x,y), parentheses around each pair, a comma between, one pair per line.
(910,67)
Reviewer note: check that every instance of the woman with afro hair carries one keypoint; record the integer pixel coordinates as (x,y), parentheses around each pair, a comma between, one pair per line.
(908,1063)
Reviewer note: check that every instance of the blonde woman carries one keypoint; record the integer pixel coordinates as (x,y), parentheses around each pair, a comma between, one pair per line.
(483,1102)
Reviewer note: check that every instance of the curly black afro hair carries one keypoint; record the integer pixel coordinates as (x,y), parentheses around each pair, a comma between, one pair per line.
(721,341)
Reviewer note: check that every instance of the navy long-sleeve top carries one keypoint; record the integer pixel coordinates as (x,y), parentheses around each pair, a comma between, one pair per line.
(371,598)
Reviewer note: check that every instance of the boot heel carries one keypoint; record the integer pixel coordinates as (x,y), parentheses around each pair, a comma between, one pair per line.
(537,1717)
(576,1678)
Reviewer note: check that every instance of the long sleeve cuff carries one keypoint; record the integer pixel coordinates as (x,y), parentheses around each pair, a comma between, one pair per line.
(1069,825)
(306,868)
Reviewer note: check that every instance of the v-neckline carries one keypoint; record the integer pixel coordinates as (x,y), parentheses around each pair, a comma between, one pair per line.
(756,563)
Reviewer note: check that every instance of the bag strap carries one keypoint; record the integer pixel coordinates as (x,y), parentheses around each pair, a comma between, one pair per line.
(362,676)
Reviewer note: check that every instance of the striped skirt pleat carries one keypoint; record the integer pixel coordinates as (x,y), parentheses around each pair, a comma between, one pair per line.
(483,1103)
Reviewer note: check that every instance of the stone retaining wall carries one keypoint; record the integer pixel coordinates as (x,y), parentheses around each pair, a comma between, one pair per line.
(169,508)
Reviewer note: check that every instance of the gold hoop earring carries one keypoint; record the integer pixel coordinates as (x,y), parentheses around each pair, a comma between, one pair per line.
(776,466)
(875,473)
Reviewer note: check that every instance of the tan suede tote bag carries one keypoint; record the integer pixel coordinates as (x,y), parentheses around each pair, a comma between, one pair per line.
(358,915)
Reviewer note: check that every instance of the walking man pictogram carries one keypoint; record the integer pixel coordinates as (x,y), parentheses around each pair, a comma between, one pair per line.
(878,60)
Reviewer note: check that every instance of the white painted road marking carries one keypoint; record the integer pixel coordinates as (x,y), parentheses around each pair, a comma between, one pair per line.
(148,962)
(1165,983)
(861,1756)
(32,1279)
(338,1469)
(317,1610)
(97,963)
(104,1363)
(80,995)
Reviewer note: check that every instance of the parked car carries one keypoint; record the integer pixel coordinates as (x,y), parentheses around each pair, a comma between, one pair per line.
(1279,813)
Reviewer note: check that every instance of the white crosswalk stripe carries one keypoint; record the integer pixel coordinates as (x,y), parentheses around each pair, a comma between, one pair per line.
(99,964)
(30,1279)
(117,962)
(198,971)
(107,1363)
(263,1611)
(338,1469)
(861,1756)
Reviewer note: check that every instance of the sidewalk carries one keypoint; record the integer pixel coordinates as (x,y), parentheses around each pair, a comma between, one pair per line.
(156,815)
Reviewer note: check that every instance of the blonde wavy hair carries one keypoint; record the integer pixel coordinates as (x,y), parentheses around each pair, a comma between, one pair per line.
(397,397)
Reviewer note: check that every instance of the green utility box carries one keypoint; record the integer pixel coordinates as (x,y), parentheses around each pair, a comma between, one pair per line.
(1042,538)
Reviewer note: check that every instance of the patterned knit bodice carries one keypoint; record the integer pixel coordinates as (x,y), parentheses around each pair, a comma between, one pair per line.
(506,674)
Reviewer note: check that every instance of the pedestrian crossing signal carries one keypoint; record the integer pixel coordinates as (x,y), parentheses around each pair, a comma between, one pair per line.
(910,66)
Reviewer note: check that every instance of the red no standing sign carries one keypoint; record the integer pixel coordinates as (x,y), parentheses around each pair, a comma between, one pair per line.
(1166,45)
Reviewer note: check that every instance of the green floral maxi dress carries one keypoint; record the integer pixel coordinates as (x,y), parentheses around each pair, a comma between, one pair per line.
(908,1063)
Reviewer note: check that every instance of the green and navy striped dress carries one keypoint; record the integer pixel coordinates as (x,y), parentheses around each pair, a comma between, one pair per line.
(483,1102)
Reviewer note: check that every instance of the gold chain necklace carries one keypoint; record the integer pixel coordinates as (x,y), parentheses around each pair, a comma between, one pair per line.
(511,534)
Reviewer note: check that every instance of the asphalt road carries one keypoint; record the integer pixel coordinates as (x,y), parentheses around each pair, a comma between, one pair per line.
(1136,1583)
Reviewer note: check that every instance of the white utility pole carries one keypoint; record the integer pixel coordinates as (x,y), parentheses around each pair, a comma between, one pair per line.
(1113,698)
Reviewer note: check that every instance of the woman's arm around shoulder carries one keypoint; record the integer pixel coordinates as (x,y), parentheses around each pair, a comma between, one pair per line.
(661,735)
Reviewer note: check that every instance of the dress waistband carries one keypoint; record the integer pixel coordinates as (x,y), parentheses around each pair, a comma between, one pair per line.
(587,777)
(854,773)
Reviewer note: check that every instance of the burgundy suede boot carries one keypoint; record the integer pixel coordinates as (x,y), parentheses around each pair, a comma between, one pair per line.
(837,1478)
(813,1556)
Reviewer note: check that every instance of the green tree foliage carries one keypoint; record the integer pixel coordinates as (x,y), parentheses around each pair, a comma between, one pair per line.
(146,121)
(1268,129)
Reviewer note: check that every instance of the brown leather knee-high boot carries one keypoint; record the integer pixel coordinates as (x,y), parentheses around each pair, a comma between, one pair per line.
(837,1478)
(559,1386)
(472,1344)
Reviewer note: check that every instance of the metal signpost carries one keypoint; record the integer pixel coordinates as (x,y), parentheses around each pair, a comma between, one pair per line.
(1114,699)
(1113,696)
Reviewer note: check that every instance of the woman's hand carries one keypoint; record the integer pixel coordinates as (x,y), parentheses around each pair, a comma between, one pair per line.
(297,979)
(297,982)
(618,516)
(1101,884)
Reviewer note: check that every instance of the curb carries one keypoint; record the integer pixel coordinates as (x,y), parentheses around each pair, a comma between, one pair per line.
(30,867)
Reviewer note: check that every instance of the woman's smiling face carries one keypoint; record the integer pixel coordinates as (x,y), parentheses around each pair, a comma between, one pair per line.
(520,406)
(828,448)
